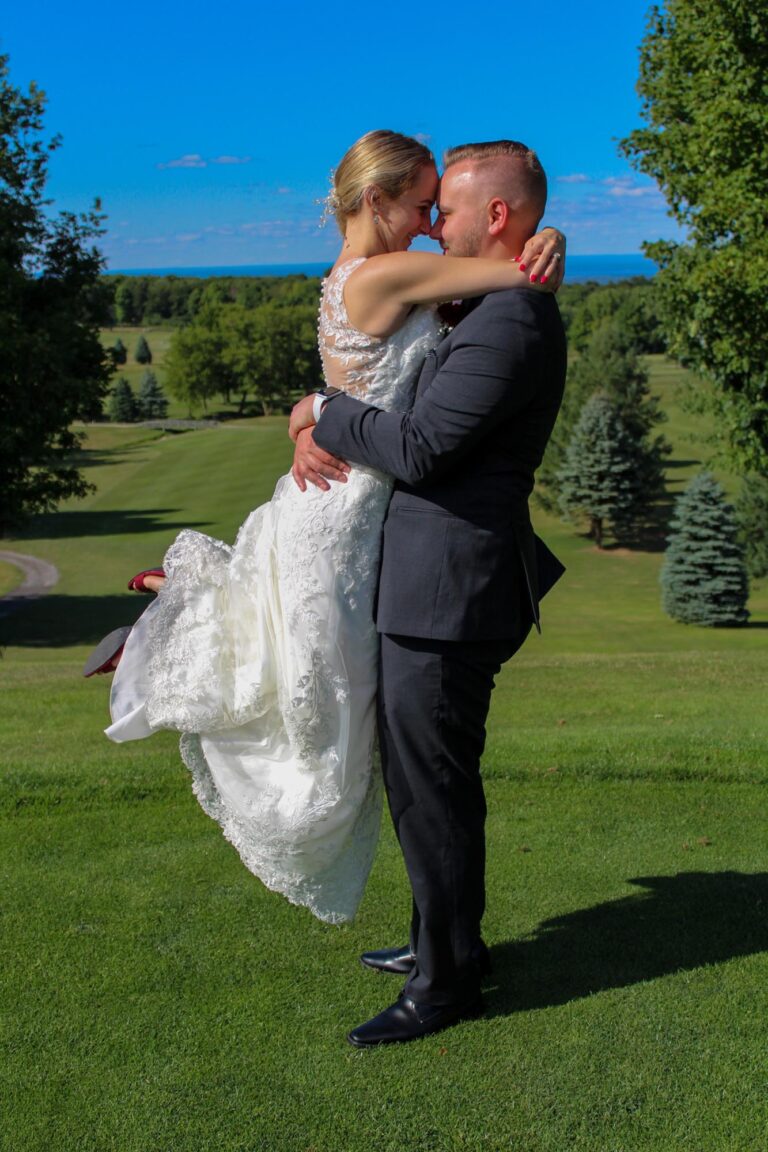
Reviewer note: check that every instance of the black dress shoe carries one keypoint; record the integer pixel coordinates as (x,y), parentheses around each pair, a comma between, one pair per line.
(401,960)
(397,960)
(407,1020)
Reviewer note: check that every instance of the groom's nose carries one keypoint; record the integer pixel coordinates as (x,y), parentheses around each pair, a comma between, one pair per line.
(436,231)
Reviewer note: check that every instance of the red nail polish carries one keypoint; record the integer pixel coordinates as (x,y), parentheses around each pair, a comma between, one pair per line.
(533,278)
(522,267)
(544,279)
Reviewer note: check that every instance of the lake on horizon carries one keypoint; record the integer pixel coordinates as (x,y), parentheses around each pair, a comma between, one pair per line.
(601,269)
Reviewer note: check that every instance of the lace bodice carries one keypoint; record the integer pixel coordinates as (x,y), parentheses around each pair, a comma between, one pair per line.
(381,371)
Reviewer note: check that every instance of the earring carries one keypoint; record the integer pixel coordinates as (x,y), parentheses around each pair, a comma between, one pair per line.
(376,218)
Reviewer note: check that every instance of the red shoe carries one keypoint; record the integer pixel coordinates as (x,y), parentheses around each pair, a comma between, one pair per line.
(136,584)
(105,652)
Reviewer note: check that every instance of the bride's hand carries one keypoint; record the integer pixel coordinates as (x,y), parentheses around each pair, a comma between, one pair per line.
(543,257)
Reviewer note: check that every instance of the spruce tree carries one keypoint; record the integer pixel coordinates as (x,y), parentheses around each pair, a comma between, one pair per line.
(119,352)
(752,515)
(601,478)
(609,363)
(704,577)
(143,353)
(122,404)
(151,403)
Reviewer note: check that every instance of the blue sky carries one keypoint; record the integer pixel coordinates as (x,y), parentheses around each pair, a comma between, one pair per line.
(209,130)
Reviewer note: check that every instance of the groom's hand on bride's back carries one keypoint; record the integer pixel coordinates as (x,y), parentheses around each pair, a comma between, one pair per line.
(313,465)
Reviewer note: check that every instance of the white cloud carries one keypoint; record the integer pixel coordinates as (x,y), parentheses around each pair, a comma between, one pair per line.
(191,160)
(574,178)
(231,160)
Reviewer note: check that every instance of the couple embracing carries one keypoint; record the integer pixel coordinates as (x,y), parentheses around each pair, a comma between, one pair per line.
(278,658)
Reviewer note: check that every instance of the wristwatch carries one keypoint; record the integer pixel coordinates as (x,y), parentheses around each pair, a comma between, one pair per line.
(322,396)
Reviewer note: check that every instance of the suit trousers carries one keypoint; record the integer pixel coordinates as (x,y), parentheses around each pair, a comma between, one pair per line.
(434,697)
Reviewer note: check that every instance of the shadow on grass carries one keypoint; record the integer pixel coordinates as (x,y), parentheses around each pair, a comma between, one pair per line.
(63,621)
(678,923)
(107,523)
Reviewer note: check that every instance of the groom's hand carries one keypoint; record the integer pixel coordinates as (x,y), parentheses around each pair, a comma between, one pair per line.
(313,465)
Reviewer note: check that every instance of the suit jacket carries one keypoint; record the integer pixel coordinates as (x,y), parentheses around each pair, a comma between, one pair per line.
(460,560)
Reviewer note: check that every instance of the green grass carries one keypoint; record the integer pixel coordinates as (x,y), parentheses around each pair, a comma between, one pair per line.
(10,577)
(156,997)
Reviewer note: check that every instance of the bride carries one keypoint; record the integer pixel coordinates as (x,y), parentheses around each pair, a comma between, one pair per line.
(264,654)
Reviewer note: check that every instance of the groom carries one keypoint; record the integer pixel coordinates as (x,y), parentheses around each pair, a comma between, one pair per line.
(459,586)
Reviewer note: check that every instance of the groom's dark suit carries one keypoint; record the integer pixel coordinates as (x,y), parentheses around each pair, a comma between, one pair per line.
(457,596)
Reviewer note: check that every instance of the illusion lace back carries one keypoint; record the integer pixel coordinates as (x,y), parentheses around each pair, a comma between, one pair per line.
(264,655)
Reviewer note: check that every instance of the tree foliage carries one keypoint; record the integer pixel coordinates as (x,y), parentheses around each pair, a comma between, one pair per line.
(752,515)
(54,369)
(602,477)
(151,402)
(704,577)
(121,406)
(704,86)
(609,364)
(143,353)
(266,352)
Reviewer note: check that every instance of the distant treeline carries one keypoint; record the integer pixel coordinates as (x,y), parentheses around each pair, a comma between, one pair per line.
(180,299)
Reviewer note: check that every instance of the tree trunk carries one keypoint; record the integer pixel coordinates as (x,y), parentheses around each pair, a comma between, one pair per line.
(596,530)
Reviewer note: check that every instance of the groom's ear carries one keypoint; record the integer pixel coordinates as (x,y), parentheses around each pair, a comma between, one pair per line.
(498,215)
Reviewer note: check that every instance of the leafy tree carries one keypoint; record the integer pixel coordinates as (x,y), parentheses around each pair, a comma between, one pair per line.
(119,352)
(703,82)
(122,403)
(752,515)
(602,476)
(704,577)
(630,304)
(195,367)
(151,403)
(54,369)
(143,353)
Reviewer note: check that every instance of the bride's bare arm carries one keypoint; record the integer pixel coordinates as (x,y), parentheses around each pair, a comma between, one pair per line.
(382,291)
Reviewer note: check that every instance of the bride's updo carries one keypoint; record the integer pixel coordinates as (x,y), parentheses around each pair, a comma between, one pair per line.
(390,161)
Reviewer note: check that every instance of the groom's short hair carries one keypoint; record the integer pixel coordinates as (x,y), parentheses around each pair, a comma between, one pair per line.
(529,174)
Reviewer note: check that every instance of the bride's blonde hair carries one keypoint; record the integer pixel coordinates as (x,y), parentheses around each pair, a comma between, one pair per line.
(382,158)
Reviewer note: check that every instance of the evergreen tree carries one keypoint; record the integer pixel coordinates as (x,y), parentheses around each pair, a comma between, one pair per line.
(704,577)
(119,352)
(599,478)
(122,403)
(143,353)
(610,365)
(151,403)
(752,515)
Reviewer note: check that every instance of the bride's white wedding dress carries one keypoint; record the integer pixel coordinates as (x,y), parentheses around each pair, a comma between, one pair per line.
(264,655)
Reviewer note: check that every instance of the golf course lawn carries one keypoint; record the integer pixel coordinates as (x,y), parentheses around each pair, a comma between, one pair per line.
(155,996)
